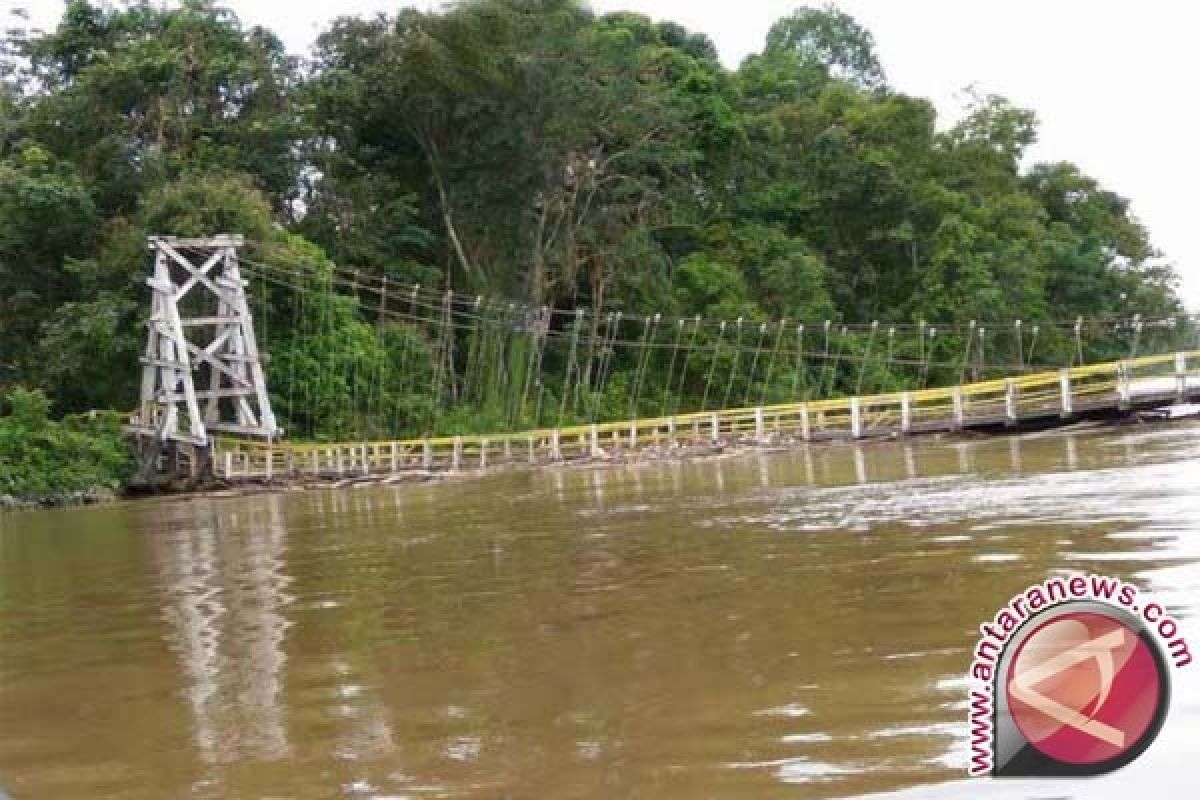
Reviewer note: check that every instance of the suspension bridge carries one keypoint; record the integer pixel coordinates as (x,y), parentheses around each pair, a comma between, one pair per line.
(375,378)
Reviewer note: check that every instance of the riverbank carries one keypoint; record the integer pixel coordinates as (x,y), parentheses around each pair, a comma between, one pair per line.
(77,460)
(83,497)
(84,461)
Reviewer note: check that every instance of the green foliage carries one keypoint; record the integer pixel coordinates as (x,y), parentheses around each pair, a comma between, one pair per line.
(46,219)
(197,204)
(711,288)
(829,40)
(997,125)
(42,459)
(536,151)
(140,95)
(334,375)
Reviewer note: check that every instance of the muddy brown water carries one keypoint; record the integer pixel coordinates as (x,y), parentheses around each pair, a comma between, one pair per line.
(788,625)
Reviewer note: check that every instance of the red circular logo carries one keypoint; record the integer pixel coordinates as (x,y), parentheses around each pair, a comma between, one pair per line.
(1084,688)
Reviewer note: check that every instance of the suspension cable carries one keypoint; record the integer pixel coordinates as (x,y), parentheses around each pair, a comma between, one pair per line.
(762,399)
(862,367)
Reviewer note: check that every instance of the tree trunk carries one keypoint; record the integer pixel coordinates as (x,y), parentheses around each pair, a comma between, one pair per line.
(537,281)
(570,248)
(431,156)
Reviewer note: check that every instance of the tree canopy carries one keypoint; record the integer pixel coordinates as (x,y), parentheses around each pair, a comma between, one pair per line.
(532,150)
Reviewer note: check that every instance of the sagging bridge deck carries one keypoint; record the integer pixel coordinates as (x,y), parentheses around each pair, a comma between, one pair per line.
(1041,399)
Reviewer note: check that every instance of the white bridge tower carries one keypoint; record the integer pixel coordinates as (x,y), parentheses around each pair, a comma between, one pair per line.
(201,332)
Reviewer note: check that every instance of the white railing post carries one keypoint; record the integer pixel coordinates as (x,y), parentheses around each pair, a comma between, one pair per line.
(555,446)
(1010,401)
(905,412)
(855,417)
(1066,403)
(805,429)
(394,448)
(714,422)
(338,459)
(483,448)
(316,462)
(228,465)
(1124,389)
(594,441)
(671,430)
(366,465)
(960,416)
(507,450)
(427,454)
(270,465)
(633,434)
(1180,377)
(532,451)
(456,454)
(760,428)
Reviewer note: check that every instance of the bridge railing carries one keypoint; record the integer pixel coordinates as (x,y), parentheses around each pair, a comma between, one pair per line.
(1114,385)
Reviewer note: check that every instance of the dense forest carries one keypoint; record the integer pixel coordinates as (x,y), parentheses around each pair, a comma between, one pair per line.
(534,153)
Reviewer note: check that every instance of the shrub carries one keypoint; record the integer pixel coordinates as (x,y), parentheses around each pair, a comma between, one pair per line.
(43,460)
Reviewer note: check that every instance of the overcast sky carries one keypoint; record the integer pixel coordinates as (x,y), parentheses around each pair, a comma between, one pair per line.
(1109,80)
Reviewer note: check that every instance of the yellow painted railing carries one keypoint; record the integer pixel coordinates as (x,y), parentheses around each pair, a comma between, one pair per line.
(1062,392)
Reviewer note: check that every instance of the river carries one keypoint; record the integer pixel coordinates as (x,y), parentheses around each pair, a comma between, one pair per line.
(784,625)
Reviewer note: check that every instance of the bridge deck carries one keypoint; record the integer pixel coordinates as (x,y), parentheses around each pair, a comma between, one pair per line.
(1042,398)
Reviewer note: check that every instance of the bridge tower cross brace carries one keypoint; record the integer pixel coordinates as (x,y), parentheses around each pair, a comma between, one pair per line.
(201,328)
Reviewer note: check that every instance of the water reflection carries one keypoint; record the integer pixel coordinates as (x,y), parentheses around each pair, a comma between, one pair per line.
(222,576)
(756,625)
